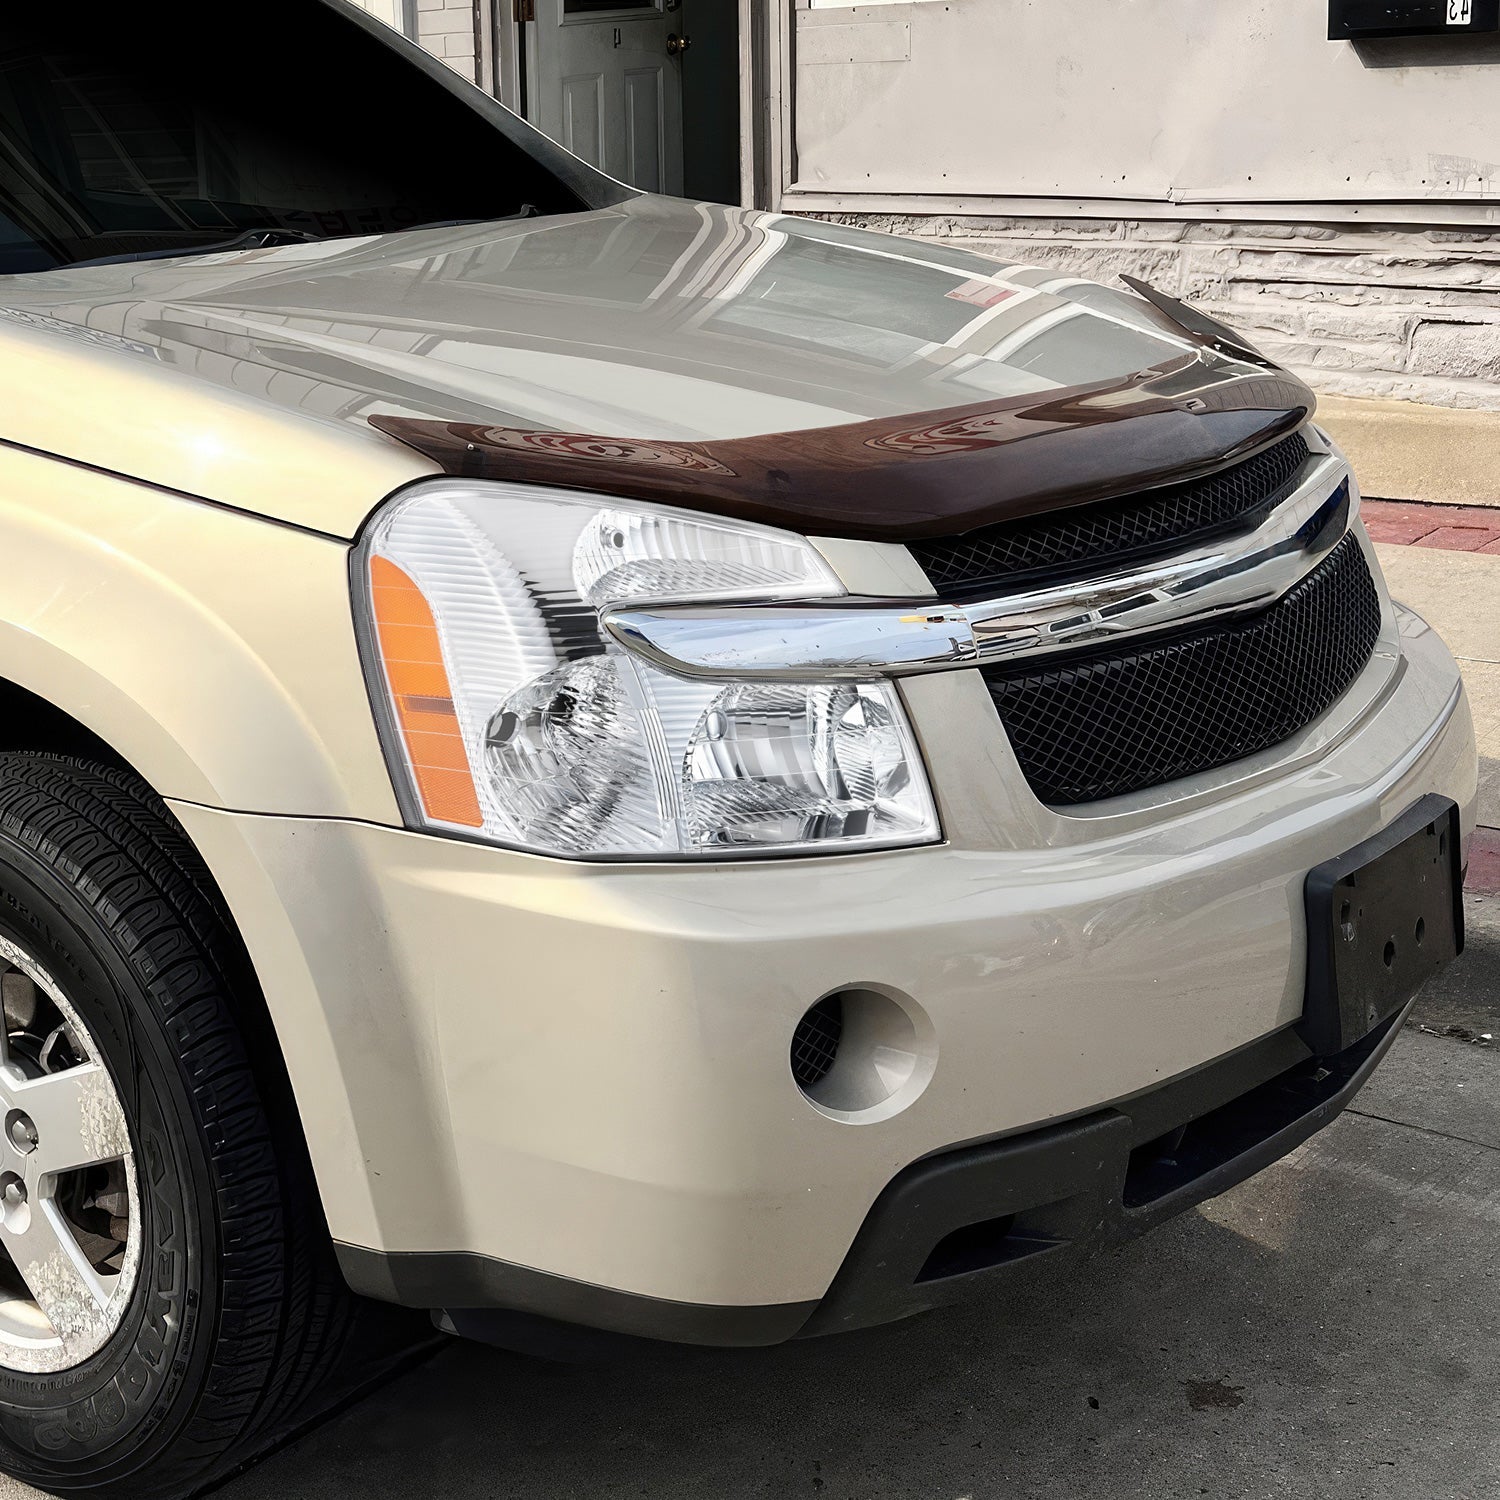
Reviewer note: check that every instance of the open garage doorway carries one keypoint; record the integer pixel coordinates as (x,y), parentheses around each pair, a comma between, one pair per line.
(651,91)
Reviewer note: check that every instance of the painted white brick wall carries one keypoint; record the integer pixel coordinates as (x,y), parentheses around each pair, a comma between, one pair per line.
(444,27)
(388,11)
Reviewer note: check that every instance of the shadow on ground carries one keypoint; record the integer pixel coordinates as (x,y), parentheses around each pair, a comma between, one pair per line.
(1466,997)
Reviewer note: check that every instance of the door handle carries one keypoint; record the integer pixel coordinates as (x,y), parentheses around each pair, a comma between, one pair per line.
(677,45)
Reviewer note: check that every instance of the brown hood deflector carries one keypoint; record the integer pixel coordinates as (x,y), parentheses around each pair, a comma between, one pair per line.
(899,479)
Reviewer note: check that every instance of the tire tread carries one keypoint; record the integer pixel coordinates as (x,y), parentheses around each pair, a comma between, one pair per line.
(285,1314)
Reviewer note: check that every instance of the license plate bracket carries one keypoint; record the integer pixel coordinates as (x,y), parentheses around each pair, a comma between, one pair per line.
(1382,919)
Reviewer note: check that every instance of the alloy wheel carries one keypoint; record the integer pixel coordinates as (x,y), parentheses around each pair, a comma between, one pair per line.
(70,1231)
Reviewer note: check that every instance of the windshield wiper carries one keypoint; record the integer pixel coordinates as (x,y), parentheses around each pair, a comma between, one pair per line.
(251,239)
(525,211)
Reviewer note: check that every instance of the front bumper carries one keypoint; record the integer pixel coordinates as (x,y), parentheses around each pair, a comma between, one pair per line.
(564,1088)
(948,1224)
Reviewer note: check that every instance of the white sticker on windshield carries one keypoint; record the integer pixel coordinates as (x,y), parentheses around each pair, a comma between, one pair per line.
(1460,12)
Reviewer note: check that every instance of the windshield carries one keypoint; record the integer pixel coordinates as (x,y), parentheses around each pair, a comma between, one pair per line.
(117,142)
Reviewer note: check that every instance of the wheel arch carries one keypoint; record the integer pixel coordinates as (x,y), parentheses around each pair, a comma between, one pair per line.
(51,703)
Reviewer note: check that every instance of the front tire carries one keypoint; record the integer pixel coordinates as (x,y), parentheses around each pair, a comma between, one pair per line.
(187,1262)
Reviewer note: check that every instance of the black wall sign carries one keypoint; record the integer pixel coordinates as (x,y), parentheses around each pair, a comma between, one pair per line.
(1353,20)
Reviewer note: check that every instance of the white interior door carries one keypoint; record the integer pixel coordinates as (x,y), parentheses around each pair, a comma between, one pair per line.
(605,80)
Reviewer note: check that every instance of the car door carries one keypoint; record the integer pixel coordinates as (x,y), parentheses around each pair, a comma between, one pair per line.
(606,82)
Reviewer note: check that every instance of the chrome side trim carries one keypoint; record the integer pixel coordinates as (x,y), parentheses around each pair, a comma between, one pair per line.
(856,637)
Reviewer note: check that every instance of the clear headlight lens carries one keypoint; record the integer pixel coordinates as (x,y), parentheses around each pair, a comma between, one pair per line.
(790,764)
(509,716)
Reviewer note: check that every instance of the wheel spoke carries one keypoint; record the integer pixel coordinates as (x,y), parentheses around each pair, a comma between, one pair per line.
(76,1121)
(18,996)
(71,1294)
(69,1214)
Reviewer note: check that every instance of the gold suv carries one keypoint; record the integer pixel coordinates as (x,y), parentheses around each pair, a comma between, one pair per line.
(579,761)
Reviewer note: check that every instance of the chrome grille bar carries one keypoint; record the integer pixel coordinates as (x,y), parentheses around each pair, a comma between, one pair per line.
(855,637)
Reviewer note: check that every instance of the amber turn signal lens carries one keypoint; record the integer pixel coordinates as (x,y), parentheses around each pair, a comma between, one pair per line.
(412,655)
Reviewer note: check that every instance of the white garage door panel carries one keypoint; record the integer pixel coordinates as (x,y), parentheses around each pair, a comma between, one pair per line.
(1163,100)
(868,41)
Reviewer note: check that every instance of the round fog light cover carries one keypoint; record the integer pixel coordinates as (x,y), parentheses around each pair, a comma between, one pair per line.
(793,764)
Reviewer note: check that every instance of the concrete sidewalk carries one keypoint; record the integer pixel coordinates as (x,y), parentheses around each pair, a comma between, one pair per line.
(1458,593)
(1403,451)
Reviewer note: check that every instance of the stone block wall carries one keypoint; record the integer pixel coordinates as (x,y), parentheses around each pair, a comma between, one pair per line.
(1361,310)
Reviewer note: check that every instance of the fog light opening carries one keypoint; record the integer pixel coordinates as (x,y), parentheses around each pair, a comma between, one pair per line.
(815,1043)
(862,1053)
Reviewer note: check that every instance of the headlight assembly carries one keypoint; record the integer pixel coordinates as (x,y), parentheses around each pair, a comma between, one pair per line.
(510,715)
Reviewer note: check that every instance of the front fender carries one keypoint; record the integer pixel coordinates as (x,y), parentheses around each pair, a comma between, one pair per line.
(213,651)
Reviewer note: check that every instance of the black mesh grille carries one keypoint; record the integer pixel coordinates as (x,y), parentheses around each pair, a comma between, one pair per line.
(1114,724)
(815,1043)
(1117,528)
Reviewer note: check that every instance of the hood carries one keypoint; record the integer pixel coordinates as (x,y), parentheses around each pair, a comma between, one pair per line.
(651,319)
